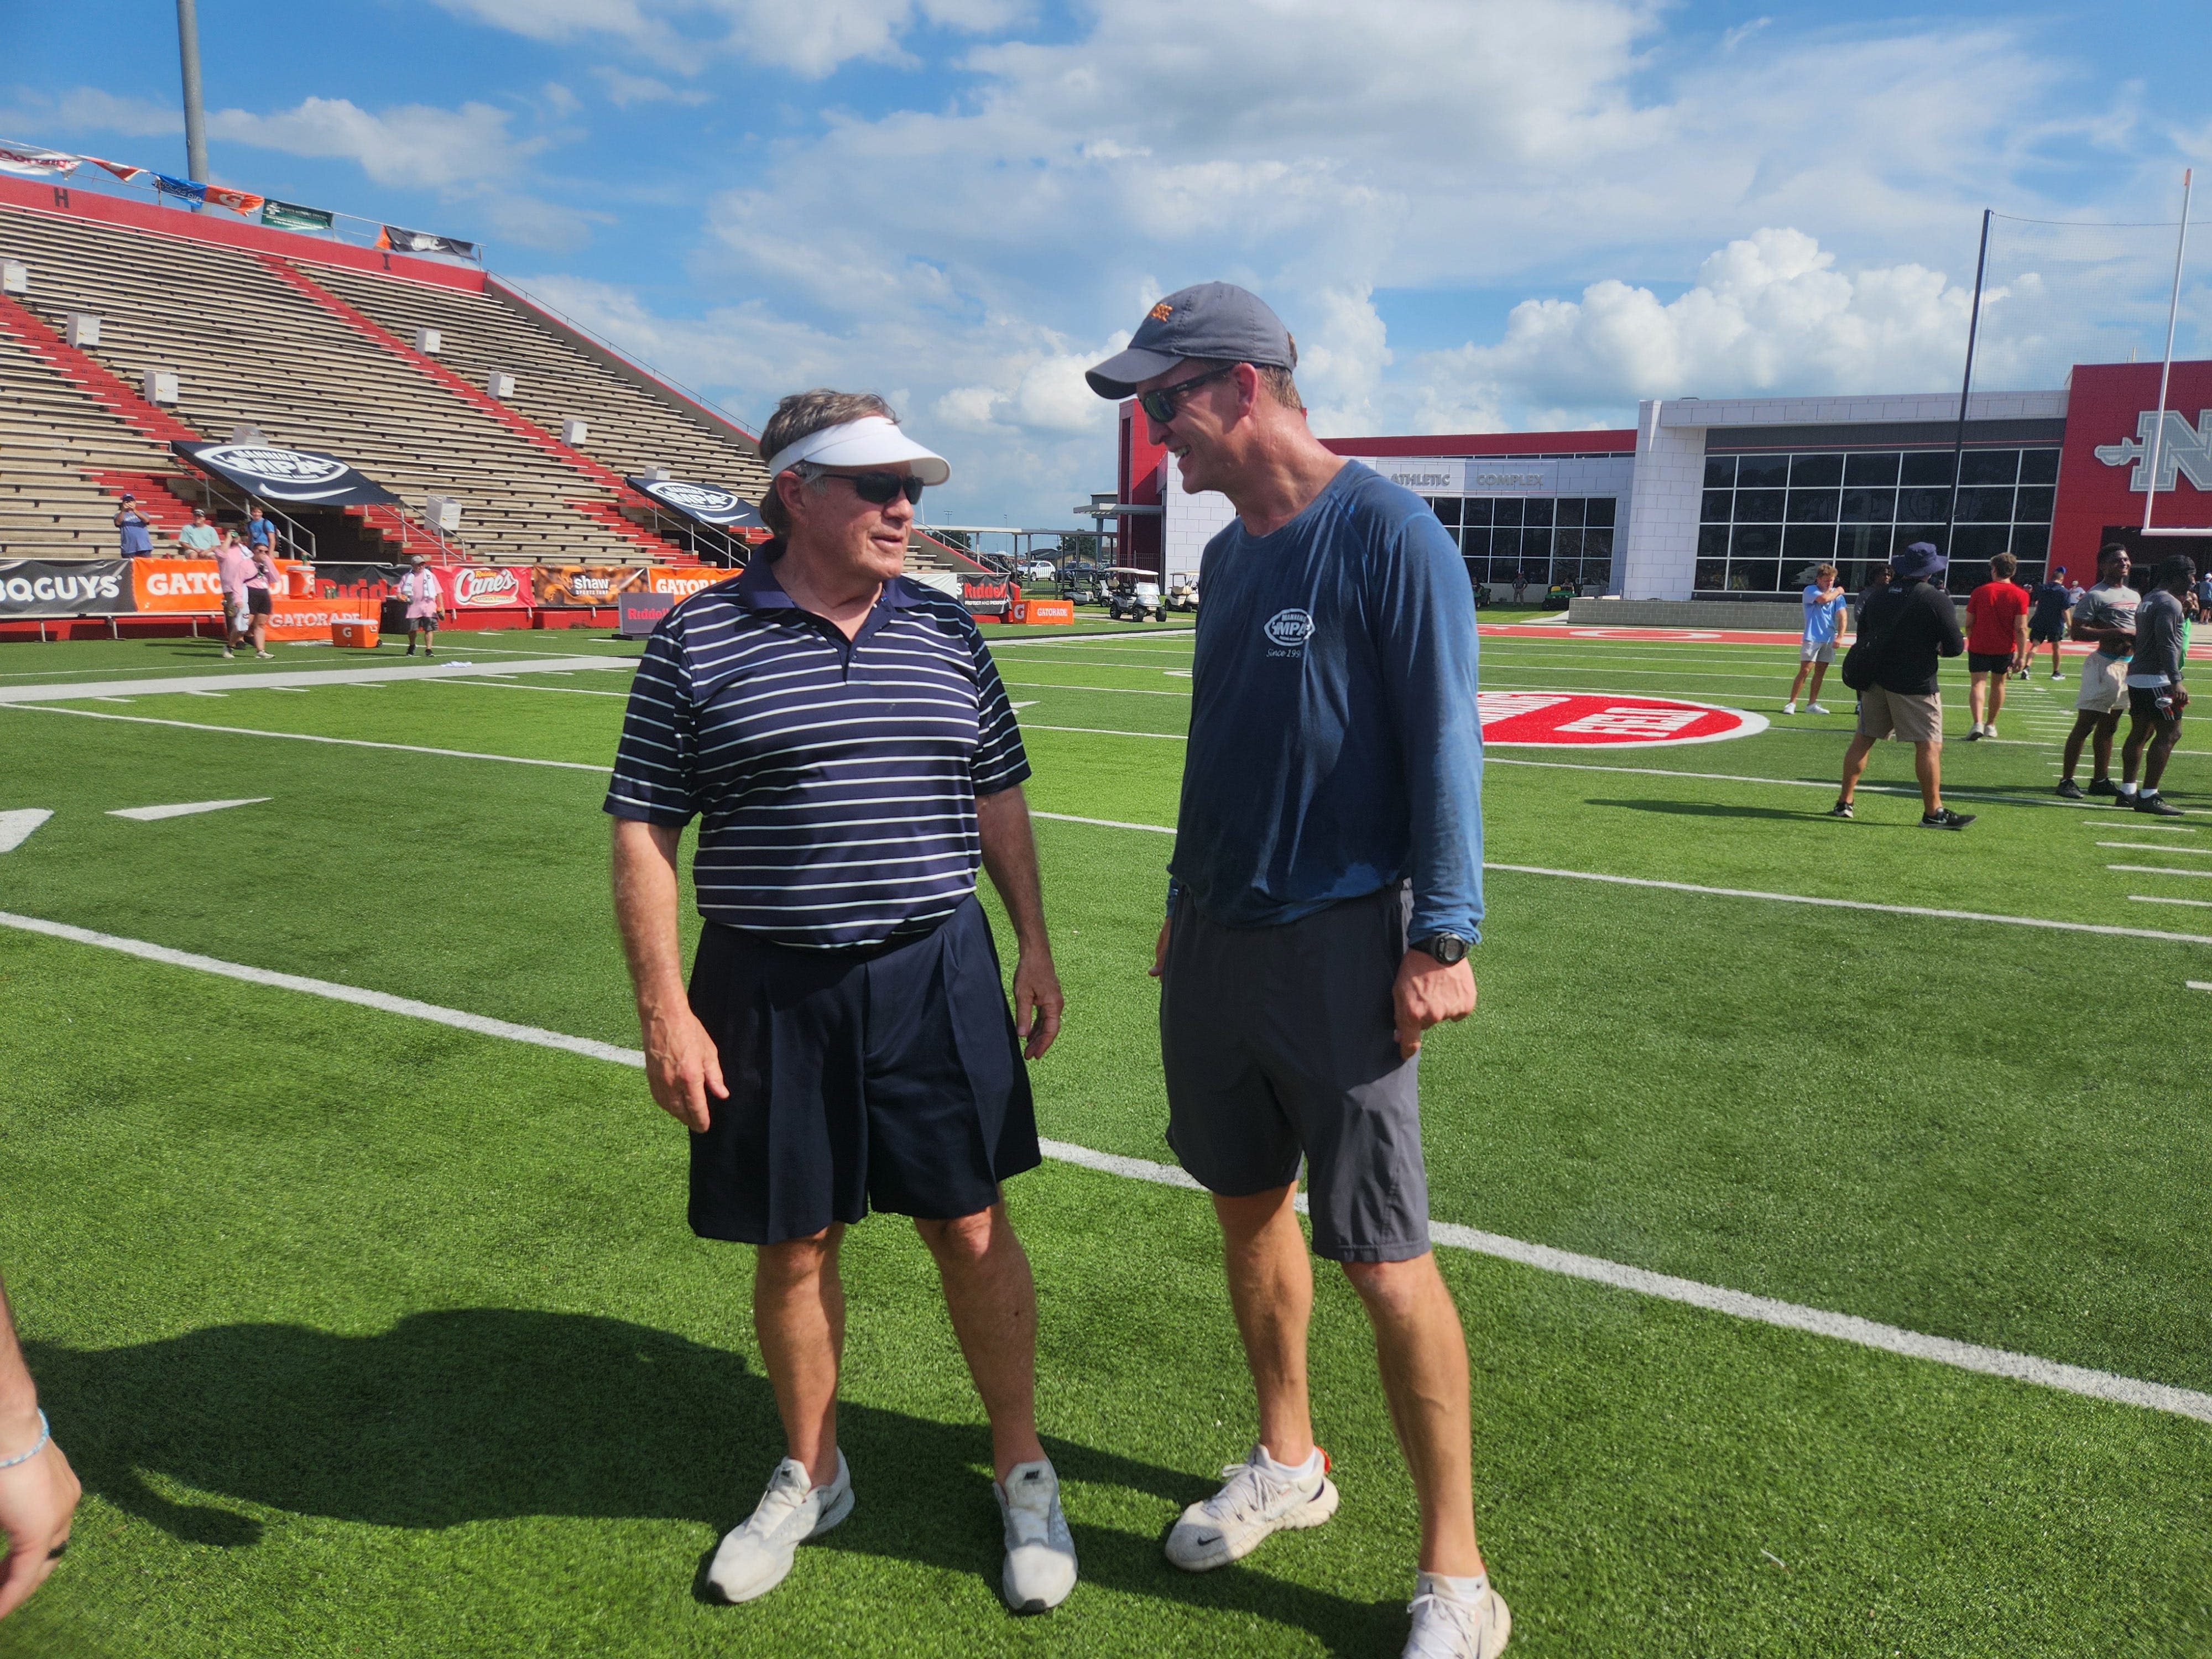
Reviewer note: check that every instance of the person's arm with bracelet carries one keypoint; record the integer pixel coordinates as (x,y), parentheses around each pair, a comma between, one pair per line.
(38,1489)
(2020,648)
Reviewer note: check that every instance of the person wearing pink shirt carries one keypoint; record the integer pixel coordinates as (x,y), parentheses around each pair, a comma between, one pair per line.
(233,565)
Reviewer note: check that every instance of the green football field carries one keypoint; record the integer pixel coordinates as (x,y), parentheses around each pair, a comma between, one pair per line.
(373,1335)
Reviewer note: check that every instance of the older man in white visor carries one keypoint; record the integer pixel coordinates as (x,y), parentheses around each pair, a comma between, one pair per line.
(845,741)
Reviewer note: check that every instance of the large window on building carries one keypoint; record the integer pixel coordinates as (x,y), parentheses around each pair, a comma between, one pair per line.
(1547,539)
(1767,519)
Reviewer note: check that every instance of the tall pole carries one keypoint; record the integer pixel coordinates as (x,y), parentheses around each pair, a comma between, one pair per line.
(188,52)
(1973,326)
(2166,369)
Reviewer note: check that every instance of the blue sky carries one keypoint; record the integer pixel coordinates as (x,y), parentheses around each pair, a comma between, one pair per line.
(1473,214)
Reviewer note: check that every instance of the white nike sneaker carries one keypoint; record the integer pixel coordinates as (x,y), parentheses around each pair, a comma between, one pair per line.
(1040,1568)
(1257,1500)
(1789,708)
(755,1558)
(1815,708)
(1445,1627)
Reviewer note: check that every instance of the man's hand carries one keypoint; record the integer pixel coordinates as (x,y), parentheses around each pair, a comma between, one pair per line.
(681,1064)
(37,1499)
(1425,992)
(1160,954)
(2180,696)
(1037,1001)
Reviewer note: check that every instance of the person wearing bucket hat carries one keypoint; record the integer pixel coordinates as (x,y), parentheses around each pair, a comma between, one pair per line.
(1325,889)
(1903,631)
(845,1043)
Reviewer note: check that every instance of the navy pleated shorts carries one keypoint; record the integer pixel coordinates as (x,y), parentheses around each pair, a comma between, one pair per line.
(892,1081)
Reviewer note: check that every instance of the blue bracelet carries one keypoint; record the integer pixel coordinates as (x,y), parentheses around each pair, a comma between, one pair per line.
(45,1434)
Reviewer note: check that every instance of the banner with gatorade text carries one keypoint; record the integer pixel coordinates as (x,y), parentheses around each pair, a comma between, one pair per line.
(192,586)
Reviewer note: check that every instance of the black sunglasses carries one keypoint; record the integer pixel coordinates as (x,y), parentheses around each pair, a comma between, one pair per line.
(881,488)
(1162,403)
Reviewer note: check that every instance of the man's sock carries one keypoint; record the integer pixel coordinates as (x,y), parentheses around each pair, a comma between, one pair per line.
(1470,1591)
(1294,1471)
(2127,789)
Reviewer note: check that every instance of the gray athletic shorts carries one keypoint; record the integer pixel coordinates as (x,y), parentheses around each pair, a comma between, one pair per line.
(1279,1041)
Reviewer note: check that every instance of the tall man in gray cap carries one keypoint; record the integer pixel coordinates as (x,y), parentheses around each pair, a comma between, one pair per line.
(1325,888)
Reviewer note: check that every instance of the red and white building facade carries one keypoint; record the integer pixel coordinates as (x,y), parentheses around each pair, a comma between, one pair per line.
(1738,498)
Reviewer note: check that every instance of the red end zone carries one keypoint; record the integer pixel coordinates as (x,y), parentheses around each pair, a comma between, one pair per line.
(1558,719)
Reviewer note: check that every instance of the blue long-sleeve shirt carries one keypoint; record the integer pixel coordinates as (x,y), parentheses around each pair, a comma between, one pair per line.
(1335,747)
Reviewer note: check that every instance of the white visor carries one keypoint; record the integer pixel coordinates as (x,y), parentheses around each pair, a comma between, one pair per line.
(871,441)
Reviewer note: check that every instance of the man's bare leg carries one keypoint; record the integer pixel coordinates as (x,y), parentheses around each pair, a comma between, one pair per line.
(1421,1350)
(1271,1287)
(1996,698)
(992,1298)
(2139,732)
(1927,767)
(799,1314)
(1820,673)
(2084,724)
(1795,685)
(1854,763)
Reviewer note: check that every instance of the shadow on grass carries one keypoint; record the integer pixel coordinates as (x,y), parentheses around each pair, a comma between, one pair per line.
(492,1414)
(1706,808)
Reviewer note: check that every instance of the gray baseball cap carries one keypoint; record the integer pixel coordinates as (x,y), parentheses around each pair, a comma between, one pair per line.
(1212,319)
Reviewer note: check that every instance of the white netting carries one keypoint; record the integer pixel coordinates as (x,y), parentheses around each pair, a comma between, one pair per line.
(2055,294)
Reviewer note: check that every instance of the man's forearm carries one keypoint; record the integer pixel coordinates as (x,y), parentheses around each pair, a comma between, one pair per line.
(19,1396)
(646,905)
(1002,820)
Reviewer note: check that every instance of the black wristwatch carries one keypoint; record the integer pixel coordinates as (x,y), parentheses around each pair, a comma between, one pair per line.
(1446,948)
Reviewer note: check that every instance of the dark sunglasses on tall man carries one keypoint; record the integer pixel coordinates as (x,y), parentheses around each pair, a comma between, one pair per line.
(881,488)
(1161,404)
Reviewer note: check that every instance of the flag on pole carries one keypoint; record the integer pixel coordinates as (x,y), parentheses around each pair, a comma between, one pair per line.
(123,170)
(238,201)
(421,242)
(30,162)
(288,216)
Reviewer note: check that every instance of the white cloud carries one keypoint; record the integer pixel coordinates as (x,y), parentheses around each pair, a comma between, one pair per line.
(31,111)
(412,144)
(623,90)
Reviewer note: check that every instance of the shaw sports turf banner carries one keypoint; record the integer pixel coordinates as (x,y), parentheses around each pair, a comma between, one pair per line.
(570,585)
(294,478)
(290,215)
(70,587)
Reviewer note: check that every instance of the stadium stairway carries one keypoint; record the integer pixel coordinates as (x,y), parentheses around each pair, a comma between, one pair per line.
(258,342)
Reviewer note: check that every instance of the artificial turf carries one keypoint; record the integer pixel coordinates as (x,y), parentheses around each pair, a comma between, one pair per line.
(379,1337)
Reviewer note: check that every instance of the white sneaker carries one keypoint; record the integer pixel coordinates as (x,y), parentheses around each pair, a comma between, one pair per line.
(1445,1627)
(755,1558)
(1989,731)
(1815,708)
(1040,1568)
(1789,708)
(1261,1497)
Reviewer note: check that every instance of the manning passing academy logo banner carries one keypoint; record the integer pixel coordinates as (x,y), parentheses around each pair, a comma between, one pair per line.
(708,504)
(290,477)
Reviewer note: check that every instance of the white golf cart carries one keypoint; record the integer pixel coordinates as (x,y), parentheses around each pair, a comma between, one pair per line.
(1133,595)
(1183,591)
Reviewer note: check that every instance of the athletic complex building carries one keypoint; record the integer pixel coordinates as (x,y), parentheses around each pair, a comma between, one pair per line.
(1738,498)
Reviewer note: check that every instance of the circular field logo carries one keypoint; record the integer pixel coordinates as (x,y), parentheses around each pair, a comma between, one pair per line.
(1548,719)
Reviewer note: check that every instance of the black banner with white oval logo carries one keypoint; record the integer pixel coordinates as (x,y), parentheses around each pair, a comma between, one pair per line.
(708,504)
(292,478)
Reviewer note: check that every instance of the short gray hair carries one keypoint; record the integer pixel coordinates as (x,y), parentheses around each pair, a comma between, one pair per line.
(799,415)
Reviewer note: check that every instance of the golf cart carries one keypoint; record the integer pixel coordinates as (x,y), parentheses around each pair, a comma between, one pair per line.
(1133,595)
(1183,591)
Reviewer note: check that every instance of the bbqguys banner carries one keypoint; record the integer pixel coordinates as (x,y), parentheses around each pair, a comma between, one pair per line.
(291,477)
(73,587)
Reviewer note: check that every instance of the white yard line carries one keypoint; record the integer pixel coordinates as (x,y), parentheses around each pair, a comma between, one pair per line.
(1103,824)
(2146,898)
(1715,1298)
(1107,732)
(1117,690)
(2158,870)
(2158,846)
(505,685)
(2198,984)
(311,737)
(99,689)
(2122,823)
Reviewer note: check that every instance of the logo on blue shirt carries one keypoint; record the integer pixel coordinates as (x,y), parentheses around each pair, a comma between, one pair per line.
(1289,628)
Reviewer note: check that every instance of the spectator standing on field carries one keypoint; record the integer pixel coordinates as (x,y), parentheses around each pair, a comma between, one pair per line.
(1996,643)
(2105,616)
(136,530)
(425,599)
(2156,696)
(233,567)
(2046,620)
(1907,627)
(1326,887)
(260,599)
(39,1490)
(199,538)
(1520,585)
(845,1043)
(1826,608)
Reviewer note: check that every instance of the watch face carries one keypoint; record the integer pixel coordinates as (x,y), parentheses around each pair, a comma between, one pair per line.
(1446,948)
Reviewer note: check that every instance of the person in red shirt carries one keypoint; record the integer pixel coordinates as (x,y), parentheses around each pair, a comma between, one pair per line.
(1997,642)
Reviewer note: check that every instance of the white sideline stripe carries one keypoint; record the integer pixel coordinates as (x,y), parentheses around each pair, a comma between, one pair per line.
(2198,984)
(1765,1311)
(50,693)
(183,808)
(2171,852)
(1845,1327)
(1785,898)
(2122,823)
(1108,732)
(308,737)
(503,685)
(482,1023)
(2160,869)
(2194,904)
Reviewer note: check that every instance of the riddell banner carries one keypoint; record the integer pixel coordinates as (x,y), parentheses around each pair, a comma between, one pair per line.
(74,587)
(563,585)
(1551,719)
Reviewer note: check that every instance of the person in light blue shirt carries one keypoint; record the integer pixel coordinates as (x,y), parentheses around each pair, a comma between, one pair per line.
(1327,889)
(1824,608)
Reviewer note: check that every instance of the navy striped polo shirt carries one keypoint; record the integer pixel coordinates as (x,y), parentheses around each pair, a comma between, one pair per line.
(836,781)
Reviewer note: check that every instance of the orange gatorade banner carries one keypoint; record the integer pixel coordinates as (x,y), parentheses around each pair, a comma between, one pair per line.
(685,583)
(1045,611)
(192,584)
(311,619)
